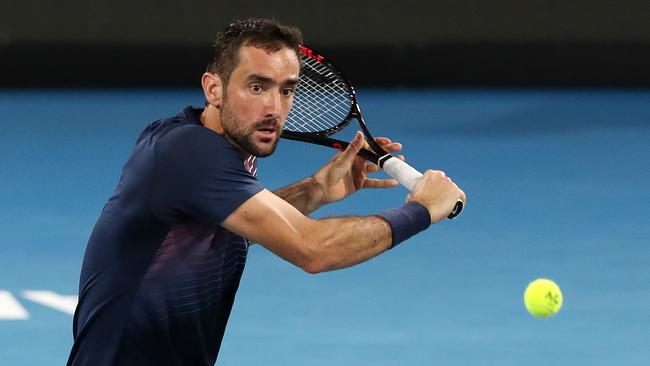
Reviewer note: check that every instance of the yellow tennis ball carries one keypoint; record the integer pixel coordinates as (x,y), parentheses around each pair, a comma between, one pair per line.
(543,298)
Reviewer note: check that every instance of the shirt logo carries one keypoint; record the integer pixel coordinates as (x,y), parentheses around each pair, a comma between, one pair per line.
(251,165)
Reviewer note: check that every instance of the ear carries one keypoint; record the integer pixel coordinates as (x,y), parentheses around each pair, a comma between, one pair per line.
(212,88)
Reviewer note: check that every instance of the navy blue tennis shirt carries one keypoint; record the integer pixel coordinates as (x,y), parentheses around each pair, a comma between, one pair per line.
(160,274)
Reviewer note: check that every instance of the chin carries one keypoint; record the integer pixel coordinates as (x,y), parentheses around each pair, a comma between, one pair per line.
(262,153)
(263,150)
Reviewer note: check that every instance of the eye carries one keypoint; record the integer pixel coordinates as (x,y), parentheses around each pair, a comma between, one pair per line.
(288,92)
(256,88)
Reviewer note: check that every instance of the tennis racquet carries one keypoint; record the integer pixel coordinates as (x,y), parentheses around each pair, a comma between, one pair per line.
(324,103)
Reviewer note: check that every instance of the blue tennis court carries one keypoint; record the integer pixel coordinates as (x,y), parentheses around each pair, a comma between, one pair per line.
(558,184)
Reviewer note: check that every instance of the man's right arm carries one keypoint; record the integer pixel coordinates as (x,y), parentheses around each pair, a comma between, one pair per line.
(313,245)
(332,243)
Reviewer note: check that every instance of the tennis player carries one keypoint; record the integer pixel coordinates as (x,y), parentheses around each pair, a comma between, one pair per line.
(165,258)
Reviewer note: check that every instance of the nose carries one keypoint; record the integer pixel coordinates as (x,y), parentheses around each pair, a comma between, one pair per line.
(273,104)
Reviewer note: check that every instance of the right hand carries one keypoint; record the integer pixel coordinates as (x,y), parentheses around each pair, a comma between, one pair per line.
(346,173)
(438,193)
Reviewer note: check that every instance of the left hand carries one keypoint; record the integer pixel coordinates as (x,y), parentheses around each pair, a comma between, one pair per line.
(346,172)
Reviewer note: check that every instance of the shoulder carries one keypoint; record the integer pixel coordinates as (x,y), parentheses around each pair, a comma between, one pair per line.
(184,133)
(195,139)
(193,149)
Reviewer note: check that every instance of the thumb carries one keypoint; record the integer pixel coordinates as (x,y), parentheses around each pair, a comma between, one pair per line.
(353,148)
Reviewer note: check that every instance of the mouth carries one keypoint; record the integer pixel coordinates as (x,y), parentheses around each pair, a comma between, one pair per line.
(267,133)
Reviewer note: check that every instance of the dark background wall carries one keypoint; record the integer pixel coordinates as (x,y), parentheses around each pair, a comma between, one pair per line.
(386,43)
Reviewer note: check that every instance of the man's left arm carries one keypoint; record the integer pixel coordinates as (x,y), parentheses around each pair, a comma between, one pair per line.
(335,181)
(306,195)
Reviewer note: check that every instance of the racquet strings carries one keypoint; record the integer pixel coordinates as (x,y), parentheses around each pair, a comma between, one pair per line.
(322,101)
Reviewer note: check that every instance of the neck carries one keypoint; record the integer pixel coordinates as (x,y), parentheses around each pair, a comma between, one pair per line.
(210,119)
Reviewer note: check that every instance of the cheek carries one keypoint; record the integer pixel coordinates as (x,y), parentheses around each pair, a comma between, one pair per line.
(242,106)
(287,107)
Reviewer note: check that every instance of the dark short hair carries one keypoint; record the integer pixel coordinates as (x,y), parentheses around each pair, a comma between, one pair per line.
(264,33)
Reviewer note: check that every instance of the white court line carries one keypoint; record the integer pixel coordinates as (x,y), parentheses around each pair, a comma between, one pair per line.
(10,308)
(51,299)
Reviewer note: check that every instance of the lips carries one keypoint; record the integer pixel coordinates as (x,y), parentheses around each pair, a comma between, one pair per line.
(267,130)
(267,134)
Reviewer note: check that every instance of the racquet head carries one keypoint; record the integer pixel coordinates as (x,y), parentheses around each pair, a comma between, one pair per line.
(324,100)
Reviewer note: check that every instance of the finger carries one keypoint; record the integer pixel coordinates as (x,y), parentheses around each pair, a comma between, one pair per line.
(372,168)
(350,153)
(380,183)
(435,172)
(392,147)
(383,140)
(366,145)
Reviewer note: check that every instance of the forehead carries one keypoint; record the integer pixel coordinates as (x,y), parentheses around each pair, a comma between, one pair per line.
(280,65)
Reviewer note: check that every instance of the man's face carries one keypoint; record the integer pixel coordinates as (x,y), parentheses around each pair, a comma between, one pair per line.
(258,97)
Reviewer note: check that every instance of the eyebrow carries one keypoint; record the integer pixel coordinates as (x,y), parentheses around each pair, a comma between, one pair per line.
(267,80)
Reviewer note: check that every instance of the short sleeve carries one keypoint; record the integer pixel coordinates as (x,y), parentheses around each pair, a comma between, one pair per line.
(200,175)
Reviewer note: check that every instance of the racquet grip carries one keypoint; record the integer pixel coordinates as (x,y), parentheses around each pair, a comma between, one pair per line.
(408,176)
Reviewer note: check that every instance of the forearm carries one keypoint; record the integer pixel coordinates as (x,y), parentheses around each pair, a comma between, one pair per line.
(325,244)
(305,195)
(346,241)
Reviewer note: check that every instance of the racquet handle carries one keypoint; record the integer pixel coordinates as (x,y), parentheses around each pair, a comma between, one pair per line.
(408,176)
